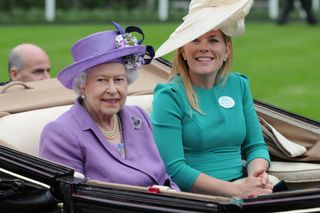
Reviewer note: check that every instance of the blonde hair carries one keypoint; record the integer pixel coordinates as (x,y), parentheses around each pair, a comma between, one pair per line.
(180,67)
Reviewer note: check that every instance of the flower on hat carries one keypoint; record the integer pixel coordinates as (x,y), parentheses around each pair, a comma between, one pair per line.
(132,62)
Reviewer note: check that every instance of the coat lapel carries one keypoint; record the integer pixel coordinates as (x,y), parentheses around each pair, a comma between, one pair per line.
(132,136)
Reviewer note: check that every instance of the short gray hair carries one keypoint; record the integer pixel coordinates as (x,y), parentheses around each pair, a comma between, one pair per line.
(15,60)
(80,80)
(132,76)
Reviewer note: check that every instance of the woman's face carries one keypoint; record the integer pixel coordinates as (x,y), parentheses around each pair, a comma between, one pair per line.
(105,90)
(206,54)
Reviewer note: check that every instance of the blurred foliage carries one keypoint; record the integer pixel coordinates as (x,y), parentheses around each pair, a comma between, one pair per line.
(8,5)
(78,15)
(82,11)
(98,11)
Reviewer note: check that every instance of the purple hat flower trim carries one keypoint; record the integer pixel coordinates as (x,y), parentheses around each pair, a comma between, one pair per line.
(126,39)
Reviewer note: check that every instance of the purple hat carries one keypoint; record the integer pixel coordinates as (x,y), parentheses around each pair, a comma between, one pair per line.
(103,47)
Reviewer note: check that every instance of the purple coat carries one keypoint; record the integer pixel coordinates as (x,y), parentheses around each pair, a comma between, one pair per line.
(75,141)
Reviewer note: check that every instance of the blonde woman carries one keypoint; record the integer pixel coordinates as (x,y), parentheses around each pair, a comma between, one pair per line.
(209,122)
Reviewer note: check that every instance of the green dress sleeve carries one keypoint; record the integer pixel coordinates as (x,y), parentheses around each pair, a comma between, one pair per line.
(254,145)
(166,117)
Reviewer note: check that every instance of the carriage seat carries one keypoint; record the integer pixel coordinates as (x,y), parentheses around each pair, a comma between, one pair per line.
(21,131)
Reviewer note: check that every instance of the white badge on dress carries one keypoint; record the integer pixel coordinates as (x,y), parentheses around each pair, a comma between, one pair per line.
(226,102)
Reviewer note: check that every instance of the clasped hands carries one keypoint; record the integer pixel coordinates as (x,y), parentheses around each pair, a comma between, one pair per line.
(254,185)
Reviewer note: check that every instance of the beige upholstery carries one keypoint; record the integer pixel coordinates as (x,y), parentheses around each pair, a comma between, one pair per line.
(144,101)
(21,131)
(296,175)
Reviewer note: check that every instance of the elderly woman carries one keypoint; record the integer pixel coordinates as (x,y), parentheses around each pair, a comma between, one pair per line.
(209,122)
(100,137)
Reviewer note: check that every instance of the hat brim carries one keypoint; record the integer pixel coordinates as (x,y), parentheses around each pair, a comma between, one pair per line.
(67,75)
(187,32)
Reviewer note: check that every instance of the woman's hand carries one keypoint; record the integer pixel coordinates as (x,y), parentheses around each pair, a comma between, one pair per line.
(252,186)
(263,175)
(257,168)
(244,188)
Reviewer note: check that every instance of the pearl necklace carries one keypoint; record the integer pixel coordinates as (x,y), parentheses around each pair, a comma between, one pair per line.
(113,133)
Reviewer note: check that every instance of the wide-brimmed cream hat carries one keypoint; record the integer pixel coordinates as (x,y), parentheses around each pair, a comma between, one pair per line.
(206,15)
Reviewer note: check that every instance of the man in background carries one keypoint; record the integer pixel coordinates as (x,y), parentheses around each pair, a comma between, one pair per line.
(28,62)
(289,6)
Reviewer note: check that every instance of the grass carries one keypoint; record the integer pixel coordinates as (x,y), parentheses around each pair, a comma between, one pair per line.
(282,62)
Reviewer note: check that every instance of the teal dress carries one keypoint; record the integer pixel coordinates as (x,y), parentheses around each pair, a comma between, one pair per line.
(212,142)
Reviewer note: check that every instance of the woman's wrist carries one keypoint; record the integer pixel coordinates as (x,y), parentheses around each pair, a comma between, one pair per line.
(258,165)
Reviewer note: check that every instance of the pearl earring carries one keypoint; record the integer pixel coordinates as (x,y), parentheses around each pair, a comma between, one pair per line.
(83,97)
(225,60)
